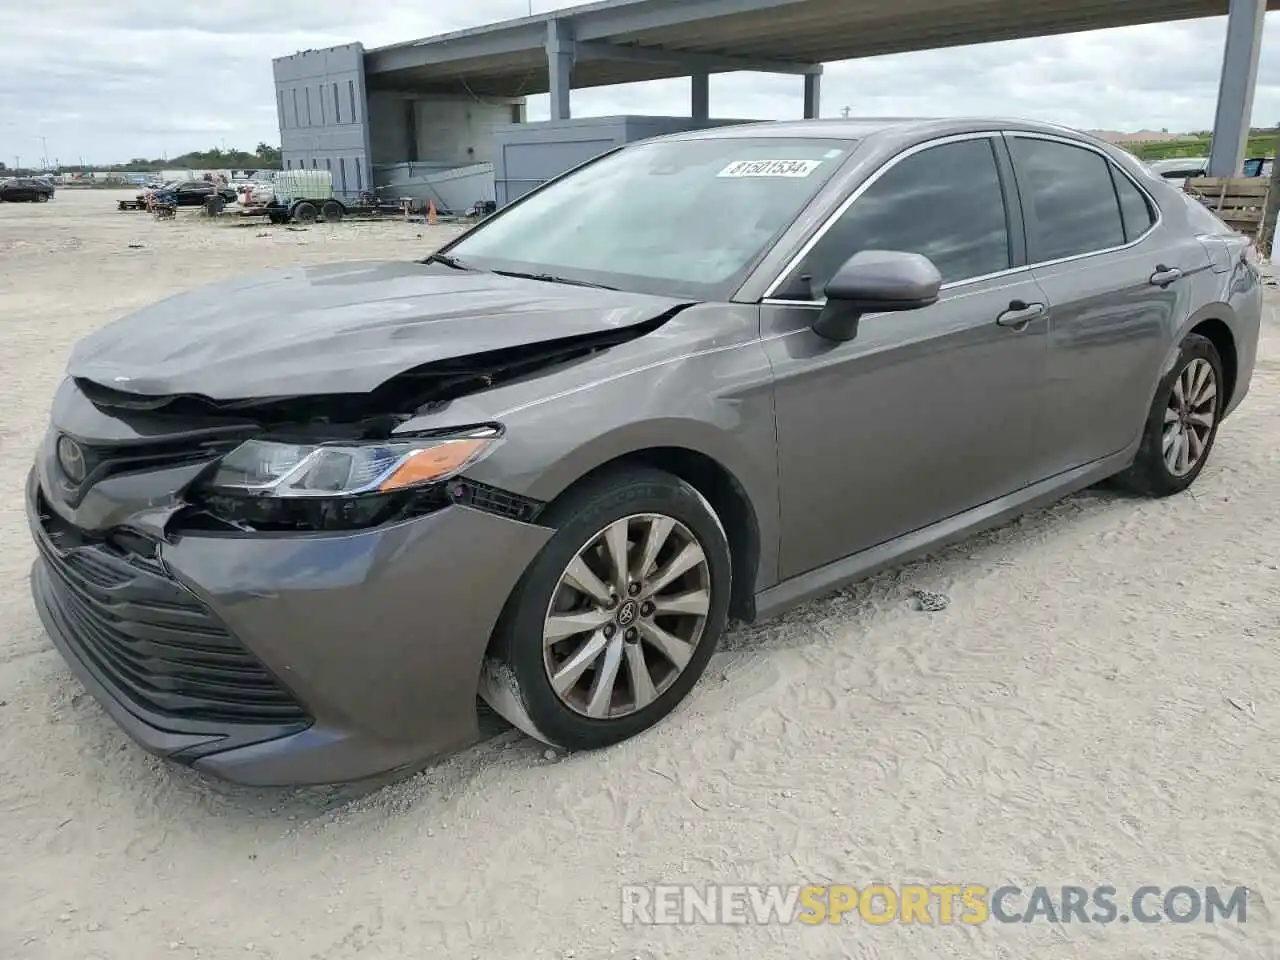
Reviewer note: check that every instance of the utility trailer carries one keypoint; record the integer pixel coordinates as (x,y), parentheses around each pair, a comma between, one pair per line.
(305,196)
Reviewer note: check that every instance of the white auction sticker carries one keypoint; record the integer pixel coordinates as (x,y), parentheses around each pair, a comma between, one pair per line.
(770,168)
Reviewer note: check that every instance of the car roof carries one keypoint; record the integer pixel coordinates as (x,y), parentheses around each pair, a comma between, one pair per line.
(885,128)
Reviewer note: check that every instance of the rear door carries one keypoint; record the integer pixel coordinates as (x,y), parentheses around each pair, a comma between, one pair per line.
(925,414)
(1114,280)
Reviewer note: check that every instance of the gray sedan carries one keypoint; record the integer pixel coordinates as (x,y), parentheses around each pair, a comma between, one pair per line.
(292,528)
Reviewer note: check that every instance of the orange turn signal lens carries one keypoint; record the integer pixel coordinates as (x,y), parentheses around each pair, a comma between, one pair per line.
(436,461)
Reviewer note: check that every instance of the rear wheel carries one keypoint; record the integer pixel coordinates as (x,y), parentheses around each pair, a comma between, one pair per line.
(305,212)
(615,620)
(331,211)
(1182,424)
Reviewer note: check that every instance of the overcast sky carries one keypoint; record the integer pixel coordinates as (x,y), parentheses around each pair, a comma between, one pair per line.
(112,79)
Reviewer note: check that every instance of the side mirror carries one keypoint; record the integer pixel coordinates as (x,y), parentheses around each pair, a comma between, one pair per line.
(876,281)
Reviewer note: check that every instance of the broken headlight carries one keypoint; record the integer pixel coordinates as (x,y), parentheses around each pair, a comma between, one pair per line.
(279,485)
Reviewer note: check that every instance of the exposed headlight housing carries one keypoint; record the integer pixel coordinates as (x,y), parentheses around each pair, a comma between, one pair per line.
(279,485)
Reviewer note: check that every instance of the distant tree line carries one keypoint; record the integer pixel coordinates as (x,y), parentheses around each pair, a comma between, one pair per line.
(264,156)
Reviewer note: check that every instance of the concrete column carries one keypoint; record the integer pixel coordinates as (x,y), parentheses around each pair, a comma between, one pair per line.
(813,93)
(560,49)
(1235,90)
(701,96)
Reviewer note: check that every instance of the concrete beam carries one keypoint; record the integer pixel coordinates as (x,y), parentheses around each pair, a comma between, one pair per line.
(561,53)
(694,62)
(603,20)
(700,105)
(1236,88)
(430,52)
(812,95)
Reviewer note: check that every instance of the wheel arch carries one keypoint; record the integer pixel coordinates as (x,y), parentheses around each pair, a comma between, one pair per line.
(1217,332)
(726,494)
(1214,322)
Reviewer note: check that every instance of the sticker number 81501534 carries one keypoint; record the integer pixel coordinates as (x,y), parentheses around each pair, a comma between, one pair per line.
(770,168)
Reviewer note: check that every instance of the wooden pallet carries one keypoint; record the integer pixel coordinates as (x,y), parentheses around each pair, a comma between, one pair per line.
(1239,202)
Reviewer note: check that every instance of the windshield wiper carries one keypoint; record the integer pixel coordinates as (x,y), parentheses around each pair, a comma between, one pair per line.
(551,278)
(448,261)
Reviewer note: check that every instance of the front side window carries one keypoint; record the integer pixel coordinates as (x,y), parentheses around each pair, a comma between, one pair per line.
(1069,189)
(681,217)
(944,202)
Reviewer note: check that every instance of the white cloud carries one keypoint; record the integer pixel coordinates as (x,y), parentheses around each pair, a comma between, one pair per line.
(141,78)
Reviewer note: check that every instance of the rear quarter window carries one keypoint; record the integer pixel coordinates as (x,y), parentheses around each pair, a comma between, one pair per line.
(1135,208)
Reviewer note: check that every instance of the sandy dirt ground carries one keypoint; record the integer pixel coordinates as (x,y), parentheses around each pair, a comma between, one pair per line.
(1098,706)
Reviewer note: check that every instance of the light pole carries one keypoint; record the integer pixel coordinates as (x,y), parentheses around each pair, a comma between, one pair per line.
(44,153)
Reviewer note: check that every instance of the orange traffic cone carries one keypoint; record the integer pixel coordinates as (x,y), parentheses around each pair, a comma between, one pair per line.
(432,217)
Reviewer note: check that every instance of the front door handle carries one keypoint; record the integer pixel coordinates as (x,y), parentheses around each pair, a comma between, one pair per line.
(1165,276)
(1020,314)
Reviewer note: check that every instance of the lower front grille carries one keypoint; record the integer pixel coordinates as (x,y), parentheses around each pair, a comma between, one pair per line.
(481,496)
(156,644)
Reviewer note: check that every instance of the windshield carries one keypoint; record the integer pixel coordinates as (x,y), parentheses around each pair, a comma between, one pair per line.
(677,217)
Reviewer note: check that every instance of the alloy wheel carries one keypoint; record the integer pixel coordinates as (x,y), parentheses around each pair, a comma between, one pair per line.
(626,616)
(1189,417)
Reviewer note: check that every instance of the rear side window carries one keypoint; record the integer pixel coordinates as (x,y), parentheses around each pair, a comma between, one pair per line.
(1135,208)
(944,202)
(1070,191)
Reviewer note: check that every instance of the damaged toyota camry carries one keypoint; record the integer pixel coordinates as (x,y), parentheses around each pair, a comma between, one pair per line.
(294,528)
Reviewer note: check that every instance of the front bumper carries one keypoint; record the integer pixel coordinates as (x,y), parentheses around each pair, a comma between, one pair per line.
(357,653)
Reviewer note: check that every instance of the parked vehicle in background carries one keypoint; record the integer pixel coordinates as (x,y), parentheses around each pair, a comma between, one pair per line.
(183,193)
(1257,167)
(193,193)
(288,529)
(1185,168)
(1180,168)
(28,189)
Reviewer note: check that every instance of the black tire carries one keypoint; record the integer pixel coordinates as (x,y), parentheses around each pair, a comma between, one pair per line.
(331,211)
(305,212)
(1150,475)
(278,218)
(42,197)
(515,680)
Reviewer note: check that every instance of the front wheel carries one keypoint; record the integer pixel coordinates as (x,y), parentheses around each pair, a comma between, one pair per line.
(1182,424)
(615,620)
(305,212)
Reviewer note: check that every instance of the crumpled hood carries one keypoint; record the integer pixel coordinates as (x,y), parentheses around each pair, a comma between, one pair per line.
(339,328)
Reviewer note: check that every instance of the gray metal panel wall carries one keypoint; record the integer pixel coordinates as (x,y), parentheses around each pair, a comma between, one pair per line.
(530,154)
(322,107)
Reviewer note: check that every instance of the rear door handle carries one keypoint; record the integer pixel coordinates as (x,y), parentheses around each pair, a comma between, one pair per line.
(1165,276)
(1020,314)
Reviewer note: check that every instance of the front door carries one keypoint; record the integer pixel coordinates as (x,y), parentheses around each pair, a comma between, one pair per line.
(927,413)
